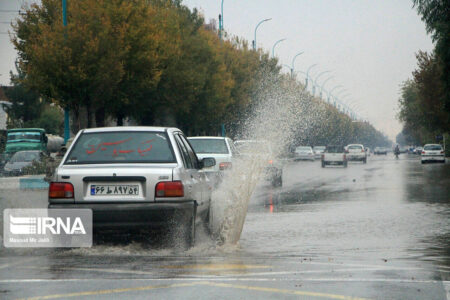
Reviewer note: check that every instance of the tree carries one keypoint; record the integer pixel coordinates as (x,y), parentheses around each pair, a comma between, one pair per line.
(436,15)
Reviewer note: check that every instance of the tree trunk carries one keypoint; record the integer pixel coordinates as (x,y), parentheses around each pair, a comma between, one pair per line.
(100,117)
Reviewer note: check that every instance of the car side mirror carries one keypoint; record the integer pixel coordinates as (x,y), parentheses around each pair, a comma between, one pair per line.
(207,162)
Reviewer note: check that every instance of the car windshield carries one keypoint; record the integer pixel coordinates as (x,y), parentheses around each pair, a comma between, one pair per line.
(433,147)
(354,147)
(121,147)
(334,149)
(217,146)
(25,156)
(33,136)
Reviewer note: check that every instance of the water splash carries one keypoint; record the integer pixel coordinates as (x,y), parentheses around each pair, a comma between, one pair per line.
(281,111)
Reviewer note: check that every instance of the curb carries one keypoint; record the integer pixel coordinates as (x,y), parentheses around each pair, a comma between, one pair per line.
(23,183)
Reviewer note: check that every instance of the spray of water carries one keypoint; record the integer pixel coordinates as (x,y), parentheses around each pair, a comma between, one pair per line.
(281,111)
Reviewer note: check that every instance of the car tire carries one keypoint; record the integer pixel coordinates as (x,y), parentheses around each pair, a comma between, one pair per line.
(422,162)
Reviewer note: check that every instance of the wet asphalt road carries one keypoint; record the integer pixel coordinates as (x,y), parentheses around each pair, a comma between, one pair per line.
(374,231)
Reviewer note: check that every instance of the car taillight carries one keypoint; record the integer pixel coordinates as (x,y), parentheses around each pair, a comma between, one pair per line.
(270,162)
(362,150)
(442,152)
(423,152)
(224,165)
(60,190)
(169,189)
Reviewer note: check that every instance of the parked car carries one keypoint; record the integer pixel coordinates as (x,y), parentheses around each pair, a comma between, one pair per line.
(304,153)
(418,150)
(221,148)
(273,171)
(135,178)
(380,151)
(432,153)
(356,152)
(334,155)
(318,150)
(20,160)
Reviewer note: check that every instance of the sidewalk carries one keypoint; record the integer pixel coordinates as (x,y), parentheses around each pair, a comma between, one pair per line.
(23,182)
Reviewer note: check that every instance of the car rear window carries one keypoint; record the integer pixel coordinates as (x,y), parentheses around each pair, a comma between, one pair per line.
(433,147)
(217,146)
(354,147)
(121,147)
(334,149)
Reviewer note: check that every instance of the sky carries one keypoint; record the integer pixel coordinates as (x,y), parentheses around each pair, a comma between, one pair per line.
(368,46)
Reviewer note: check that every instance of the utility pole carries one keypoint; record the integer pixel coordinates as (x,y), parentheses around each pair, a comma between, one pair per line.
(66,109)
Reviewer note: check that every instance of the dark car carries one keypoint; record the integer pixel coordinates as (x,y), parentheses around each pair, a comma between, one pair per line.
(20,160)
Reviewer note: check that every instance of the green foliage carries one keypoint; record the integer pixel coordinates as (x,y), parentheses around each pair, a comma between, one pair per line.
(51,119)
(436,15)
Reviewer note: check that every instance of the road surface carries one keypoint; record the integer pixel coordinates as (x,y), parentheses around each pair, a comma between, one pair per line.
(379,230)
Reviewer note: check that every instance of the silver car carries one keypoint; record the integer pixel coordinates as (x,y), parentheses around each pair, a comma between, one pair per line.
(134,177)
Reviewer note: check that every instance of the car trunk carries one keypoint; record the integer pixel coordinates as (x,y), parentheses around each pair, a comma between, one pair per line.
(115,182)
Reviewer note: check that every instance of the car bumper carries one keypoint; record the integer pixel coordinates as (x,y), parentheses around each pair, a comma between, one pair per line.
(305,157)
(135,215)
(356,157)
(433,158)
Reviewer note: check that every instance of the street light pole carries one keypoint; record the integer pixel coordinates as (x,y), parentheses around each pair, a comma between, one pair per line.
(315,81)
(323,84)
(66,109)
(307,74)
(221,21)
(293,63)
(274,45)
(256,28)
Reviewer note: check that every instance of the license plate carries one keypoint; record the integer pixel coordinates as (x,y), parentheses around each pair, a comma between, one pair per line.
(108,189)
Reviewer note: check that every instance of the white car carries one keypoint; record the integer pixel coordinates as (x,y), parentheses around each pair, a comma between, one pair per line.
(356,152)
(134,178)
(304,153)
(432,153)
(221,148)
(334,155)
(318,150)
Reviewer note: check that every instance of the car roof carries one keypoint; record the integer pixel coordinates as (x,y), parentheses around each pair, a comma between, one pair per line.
(207,137)
(432,145)
(355,145)
(130,128)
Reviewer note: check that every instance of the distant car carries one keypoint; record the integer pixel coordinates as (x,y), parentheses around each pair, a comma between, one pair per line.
(273,171)
(356,152)
(432,153)
(135,178)
(20,160)
(403,149)
(304,153)
(380,151)
(318,150)
(221,148)
(418,150)
(334,155)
